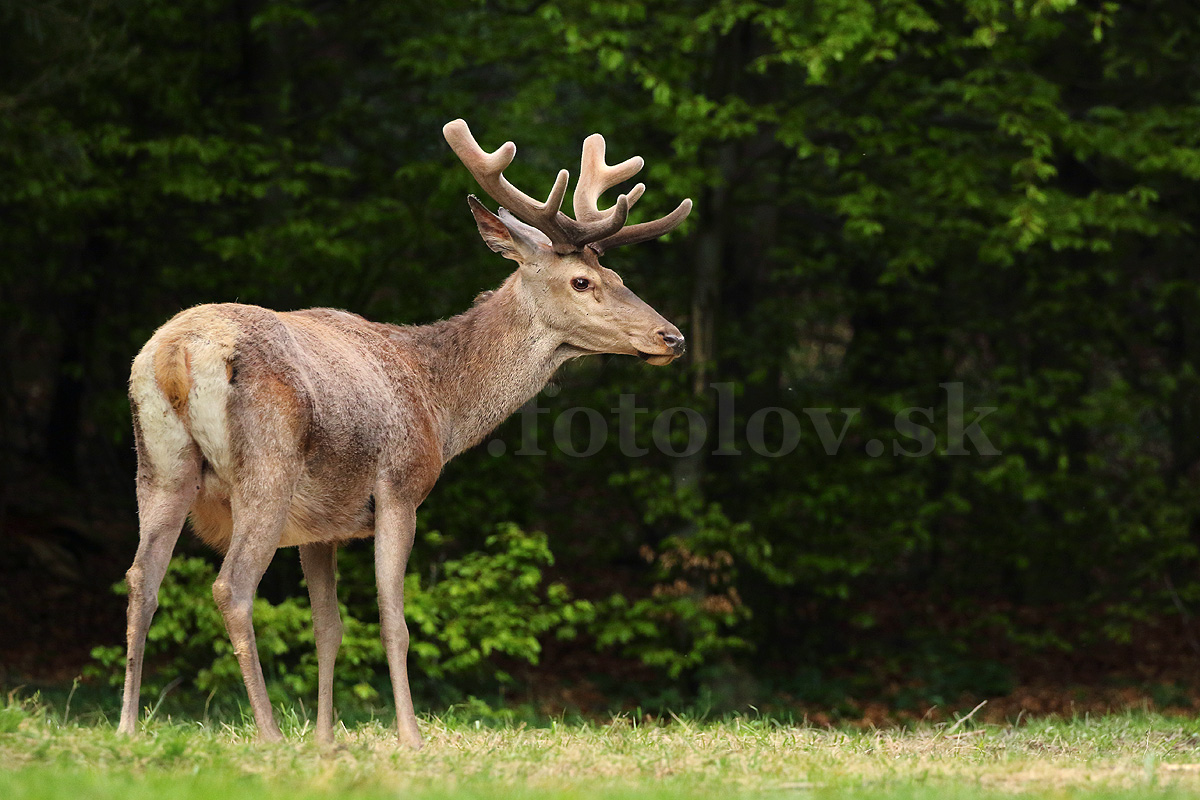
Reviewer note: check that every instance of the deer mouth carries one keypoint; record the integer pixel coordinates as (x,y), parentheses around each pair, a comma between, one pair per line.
(656,359)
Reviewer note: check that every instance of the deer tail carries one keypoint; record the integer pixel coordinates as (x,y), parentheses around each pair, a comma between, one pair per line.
(173,374)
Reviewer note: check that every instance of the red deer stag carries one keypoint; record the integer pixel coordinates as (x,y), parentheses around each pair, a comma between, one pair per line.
(309,428)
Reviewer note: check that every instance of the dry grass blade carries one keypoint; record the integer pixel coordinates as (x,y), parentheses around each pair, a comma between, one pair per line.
(962,720)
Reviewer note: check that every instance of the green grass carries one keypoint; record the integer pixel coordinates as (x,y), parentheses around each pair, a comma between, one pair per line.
(44,756)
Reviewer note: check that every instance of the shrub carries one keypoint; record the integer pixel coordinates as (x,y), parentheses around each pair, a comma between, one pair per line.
(493,602)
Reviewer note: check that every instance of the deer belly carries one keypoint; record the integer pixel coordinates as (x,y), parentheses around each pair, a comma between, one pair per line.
(315,517)
(309,518)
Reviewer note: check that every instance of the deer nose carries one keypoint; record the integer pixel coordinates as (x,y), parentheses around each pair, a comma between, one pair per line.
(673,340)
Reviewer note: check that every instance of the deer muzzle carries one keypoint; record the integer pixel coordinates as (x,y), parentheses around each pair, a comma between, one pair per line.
(671,340)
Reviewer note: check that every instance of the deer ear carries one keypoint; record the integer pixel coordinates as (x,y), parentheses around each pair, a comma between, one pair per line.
(505,234)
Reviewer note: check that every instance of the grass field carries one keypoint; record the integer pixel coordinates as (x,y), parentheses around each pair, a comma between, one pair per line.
(44,755)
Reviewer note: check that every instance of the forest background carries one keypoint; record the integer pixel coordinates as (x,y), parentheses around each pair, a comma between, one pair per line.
(959,235)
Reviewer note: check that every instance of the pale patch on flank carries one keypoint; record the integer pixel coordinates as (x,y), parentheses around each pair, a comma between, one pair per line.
(208,400)
(164,436)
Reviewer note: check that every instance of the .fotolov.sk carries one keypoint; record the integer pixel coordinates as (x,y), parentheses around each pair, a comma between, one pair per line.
(772,431)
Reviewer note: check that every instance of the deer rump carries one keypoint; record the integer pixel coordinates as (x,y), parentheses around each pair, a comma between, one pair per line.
(222,388)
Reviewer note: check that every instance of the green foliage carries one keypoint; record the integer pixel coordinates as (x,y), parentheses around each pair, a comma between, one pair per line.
(691,614)
(890,197)
(487,604)
(490,603)
(188,641)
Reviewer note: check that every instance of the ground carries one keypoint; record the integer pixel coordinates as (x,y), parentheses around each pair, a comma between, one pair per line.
(47,753)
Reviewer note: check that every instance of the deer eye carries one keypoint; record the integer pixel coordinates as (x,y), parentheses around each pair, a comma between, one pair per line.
(580,284)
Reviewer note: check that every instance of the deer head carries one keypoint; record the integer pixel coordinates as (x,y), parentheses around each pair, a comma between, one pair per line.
(587,304)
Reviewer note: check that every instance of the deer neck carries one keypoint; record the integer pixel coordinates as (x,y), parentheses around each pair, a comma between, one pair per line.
(486,362)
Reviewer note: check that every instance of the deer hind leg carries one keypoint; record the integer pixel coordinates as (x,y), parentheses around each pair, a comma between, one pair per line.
(319,562)
(260,506)
(395,528)
(167,483)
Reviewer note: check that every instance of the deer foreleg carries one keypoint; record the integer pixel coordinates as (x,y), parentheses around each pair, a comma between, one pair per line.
(395,528)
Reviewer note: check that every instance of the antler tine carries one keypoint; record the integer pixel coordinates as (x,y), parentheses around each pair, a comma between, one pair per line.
(645,231)
(601,230)
(596,177)
(488,170)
